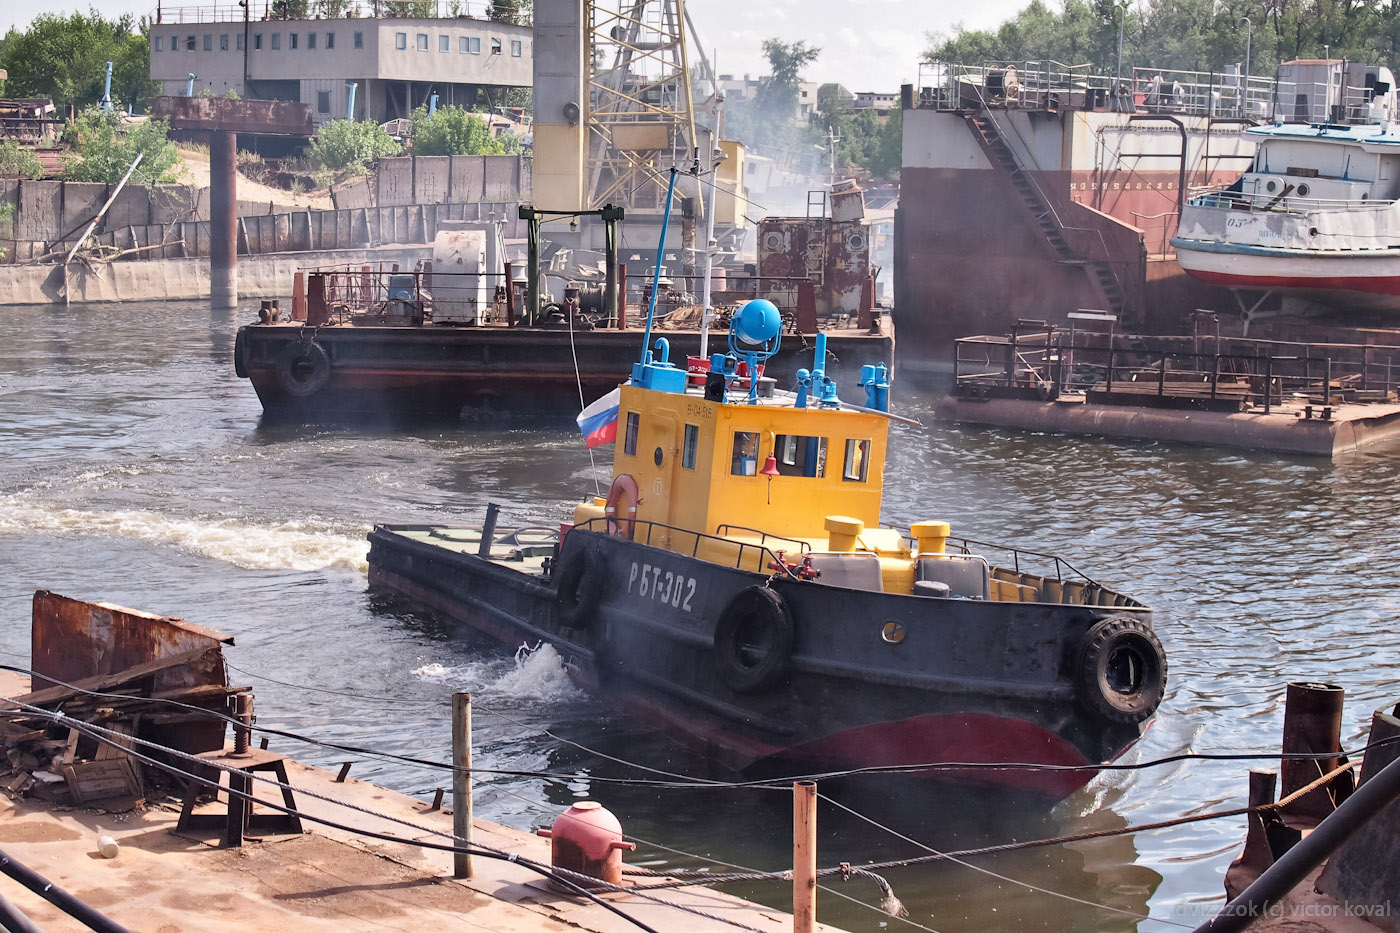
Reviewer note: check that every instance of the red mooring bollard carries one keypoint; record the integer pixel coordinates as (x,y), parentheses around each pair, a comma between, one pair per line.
(586,838)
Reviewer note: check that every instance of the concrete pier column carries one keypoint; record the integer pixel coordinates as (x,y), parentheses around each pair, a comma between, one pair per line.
(223,220)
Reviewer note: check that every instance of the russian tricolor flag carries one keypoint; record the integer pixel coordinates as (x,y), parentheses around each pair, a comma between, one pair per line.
(598,421)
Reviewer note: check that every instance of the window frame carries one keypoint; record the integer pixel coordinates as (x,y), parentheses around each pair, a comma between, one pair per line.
(257,42)
(401,41)
(357,39)
(517,48)
(743,460)
(444,43)
(159,44)
(208,42)
(690,447)
(330,40)
(223,42)
(851,473)
(421,41)
(276,42)
(326,95)
(310,40)
(293,41)
(633,430)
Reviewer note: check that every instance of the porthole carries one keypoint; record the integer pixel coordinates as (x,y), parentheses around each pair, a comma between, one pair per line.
(856,242)
(773,241)
(1271,187)
(892,632)
(1312,231)
(657,456)
(1303,191)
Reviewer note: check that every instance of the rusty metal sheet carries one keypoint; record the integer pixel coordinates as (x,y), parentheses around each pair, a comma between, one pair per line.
(72,639)
(268,117)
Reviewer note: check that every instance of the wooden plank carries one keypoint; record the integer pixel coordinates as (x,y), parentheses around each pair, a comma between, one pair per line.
(105,682)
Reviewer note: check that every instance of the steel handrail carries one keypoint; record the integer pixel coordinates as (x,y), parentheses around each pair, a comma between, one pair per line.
(695,550)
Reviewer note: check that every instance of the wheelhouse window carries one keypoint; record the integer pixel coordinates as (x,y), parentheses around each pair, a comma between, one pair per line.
(691,446)
(745,459)
(629,440)
(857,461)
(798,455)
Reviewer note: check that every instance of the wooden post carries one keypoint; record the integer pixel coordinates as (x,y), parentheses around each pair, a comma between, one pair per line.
(462,781)
(804,856)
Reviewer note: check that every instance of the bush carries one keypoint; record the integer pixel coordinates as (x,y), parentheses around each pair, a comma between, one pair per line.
(18,162)
(452,131)
(349,145)
(104,148)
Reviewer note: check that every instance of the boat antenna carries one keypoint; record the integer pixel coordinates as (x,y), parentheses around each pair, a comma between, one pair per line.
(660,255)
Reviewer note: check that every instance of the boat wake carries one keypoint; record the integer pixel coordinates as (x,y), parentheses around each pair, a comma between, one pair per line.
(295,545)
(535,674)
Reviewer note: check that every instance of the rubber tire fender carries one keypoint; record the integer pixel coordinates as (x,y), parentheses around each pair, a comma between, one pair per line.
(754,616)
(240,354)
(579,587)
(1116,653)
(305,356)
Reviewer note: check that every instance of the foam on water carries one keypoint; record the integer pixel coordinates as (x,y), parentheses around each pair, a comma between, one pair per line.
(535,674)
(294,545)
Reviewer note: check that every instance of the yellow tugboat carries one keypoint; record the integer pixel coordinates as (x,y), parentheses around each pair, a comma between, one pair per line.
(737,587)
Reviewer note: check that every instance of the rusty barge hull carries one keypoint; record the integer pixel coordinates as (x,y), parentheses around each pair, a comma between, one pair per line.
(434,372)
(1014,214)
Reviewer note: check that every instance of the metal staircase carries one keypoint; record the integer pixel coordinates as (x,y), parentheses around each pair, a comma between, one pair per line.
(1001,156)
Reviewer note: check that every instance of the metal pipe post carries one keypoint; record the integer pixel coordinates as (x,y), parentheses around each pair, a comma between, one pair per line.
(462,782)
(14,920)
(1295,865)
(804,856)
(488,530)
(1312,723)
(223,220)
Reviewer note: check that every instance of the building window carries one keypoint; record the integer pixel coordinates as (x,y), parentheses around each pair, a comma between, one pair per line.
(223,42)
(208,42)
(629,440)
(422,42)
(174,43)
(276,41)
(292,41)
(857,461)
(257,42)
(358,40)
(692,443)
(400,40)
(310,40)
(495,46)
(189,43)
(515,48)
(444,43)
(323,101)
(160,44)
(238,41)
(330,41)
(470,45)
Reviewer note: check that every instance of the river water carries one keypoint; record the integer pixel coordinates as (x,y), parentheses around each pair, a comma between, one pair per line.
(136,469)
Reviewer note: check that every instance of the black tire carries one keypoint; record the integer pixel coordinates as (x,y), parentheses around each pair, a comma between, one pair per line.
(240,352)
(753,641)
(1121,673)
(303,368)
(579,589)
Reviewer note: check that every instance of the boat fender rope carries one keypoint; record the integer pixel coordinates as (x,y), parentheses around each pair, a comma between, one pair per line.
(1121,671)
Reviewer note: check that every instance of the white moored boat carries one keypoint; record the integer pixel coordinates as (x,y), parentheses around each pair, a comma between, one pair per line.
(1316,216)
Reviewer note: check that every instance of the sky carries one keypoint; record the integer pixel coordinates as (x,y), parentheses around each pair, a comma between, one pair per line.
(871,45)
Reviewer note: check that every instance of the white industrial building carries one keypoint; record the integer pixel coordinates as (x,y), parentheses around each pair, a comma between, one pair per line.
(394,64)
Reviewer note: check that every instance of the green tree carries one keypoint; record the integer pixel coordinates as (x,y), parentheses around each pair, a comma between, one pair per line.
(18,162)
(452,131)
(104,146)
(65,58)
(349,145)
(131,71)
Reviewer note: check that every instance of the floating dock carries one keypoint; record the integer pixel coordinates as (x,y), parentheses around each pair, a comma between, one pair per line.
(117,814)
(1312,399)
